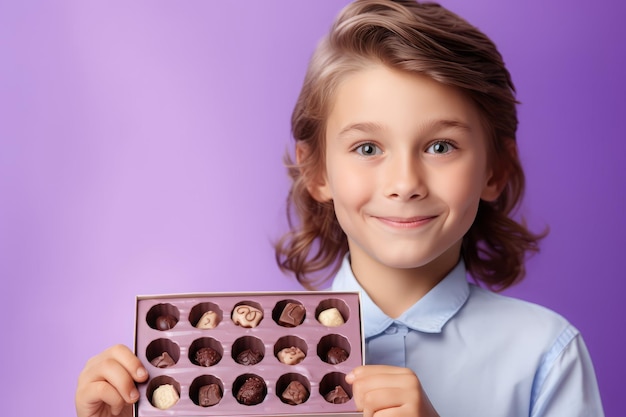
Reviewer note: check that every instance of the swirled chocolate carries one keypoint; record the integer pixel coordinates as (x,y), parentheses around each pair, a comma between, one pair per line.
(249,357)
(246,316)
(291,355)
(209,320)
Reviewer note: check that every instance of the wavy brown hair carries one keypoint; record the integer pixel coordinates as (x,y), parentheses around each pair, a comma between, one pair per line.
(419,38)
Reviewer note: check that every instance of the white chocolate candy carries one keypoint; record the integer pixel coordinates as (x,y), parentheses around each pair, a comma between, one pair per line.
(164,397)
(209,320)
(331,317)
(247,316)
(291,355)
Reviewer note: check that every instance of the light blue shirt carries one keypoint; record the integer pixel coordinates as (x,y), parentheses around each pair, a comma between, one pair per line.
(478,353)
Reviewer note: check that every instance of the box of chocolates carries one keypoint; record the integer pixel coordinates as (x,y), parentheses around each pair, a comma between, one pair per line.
(248,354)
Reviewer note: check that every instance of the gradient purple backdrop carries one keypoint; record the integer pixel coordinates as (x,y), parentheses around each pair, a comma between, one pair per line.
(141,150)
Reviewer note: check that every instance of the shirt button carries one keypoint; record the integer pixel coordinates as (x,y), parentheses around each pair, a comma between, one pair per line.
(391,330)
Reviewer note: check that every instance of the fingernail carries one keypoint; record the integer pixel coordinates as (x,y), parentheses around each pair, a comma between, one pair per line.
(141,372)
(134,394)
(350,378)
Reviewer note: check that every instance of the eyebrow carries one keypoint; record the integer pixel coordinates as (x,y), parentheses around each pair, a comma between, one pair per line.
(365,127)
(368,127)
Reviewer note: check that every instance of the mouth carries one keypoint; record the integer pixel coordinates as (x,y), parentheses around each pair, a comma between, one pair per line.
(406,222)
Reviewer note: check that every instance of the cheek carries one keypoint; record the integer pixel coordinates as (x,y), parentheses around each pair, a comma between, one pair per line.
(348,184)
(462,190)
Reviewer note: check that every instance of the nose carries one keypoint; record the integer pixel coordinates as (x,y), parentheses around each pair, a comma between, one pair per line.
(405,178)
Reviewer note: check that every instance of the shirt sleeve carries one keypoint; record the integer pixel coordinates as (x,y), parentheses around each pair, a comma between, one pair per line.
(565,384)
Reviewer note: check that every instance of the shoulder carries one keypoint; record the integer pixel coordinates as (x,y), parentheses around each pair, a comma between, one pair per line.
(515,319)
(485,302)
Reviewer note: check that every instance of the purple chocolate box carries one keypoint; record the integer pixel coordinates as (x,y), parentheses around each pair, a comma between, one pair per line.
(183,340)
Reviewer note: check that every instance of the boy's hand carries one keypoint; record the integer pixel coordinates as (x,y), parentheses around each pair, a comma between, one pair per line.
(386,391)
(106,385)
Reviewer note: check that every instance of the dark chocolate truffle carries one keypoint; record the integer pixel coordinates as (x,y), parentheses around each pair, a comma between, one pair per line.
(207,356)
(249,357)
(295,393)
(163,361)
(336,355)
(209,395)
(337,396)
(292,315)
(165,322)
(252,391)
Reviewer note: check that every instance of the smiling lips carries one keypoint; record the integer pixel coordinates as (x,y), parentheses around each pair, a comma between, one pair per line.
(405,222)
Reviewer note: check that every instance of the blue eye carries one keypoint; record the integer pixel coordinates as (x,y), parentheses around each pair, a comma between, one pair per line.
(368,149)
(440,147)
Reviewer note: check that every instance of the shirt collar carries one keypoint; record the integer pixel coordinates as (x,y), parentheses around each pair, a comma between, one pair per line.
(428,315)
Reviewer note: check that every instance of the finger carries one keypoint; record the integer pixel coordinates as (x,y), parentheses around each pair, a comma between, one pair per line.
(373,391)
(124,358)
(379,369)
(100,394)
(396,378)
(118,377)
(386,398)
(129,361)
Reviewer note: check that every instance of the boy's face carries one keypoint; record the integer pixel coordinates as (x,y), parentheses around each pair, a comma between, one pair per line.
(406,166)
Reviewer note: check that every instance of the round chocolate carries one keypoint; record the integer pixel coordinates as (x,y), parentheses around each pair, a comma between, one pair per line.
(249,357)
(165,322)
(336,355)
(207,356)
(165,396)
(252,391)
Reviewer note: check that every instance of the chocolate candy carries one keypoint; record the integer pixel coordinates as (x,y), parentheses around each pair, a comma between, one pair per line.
(163,361)
(209,320)
(295,393)
(247,316)
(209,395)
(337,395)
(252,391)
(292,315)
(331,317)
(165,396)
(291,355)
(336,355)
(166,322)
(249,357)
(207,356)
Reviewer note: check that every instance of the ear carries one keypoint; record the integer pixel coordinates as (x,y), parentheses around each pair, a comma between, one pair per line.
(499,171)
(313,174)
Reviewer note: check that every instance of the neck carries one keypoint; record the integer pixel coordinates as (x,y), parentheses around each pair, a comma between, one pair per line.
(395,290)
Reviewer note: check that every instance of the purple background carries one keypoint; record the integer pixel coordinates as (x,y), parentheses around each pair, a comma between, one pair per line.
(141,150)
